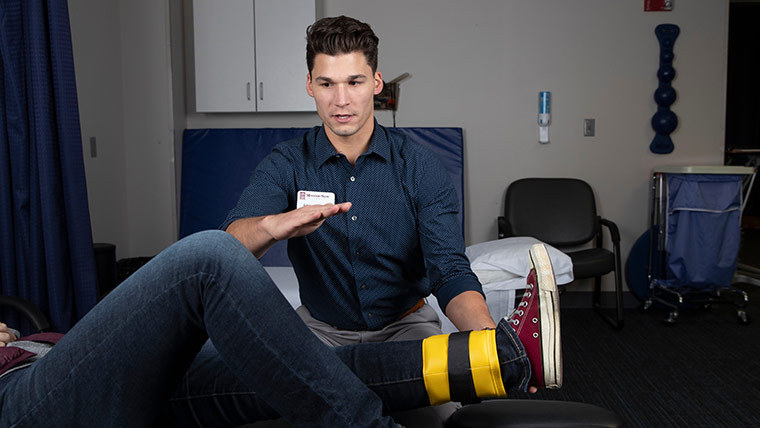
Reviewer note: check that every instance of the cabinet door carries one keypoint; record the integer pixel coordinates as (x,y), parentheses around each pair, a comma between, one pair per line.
(224,55)
(281,54)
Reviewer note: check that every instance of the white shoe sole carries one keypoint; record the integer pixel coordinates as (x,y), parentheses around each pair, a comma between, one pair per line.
(551,346)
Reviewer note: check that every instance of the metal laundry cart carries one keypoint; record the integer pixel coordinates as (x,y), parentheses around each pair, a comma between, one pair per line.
(695,221)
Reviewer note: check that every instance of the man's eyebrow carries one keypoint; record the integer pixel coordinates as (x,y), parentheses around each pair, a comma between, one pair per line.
(350,78)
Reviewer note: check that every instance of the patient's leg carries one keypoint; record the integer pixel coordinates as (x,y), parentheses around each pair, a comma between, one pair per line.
(121,362)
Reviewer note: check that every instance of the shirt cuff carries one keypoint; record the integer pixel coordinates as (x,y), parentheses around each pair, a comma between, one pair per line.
(227,223)
(456,286)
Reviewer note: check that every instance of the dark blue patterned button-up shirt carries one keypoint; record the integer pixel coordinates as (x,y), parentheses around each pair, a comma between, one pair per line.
(399,242)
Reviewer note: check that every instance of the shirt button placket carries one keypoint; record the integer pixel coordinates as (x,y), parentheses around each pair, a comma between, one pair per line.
(357,253)
(352,179)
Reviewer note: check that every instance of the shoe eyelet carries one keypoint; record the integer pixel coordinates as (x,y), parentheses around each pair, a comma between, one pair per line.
(520,312)
(527,294)
(515,321)
(535,320)
(523,304)
(535,335)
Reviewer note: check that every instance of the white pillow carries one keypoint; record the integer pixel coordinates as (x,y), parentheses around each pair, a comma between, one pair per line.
(511,255)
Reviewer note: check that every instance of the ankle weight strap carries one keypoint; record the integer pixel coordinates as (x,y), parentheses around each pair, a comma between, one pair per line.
(461,366)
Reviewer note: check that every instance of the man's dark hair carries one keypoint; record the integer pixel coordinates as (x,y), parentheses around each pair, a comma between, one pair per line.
(341,35)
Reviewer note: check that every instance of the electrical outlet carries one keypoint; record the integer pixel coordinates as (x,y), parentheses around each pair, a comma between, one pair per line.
(589,127)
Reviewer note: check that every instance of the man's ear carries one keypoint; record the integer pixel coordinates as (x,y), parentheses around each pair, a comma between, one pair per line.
(378,82)
(308,85)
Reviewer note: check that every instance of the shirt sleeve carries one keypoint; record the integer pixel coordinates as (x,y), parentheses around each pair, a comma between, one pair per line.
(267,191)
(441,235)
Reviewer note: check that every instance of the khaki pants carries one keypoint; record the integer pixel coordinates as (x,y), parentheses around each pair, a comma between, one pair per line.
(420,324)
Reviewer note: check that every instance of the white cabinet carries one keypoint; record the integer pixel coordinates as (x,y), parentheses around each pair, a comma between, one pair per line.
(281,54)
(250,55)
(224,55)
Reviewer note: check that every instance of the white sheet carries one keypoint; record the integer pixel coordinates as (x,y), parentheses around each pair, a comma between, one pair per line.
(285,279)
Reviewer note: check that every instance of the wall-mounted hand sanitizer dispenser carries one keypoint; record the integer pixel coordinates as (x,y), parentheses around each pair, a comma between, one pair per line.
(544,116)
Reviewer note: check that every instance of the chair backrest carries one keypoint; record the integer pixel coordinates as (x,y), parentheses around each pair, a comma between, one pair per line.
(31,312)
(558,211)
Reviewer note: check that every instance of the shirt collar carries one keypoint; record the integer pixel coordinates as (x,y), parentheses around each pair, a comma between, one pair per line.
(378,144)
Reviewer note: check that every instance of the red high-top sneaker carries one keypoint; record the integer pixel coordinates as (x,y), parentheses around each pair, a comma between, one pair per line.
(536,321)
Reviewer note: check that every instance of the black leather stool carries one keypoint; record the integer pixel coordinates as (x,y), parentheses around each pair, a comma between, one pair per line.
(105,267)
(532,414)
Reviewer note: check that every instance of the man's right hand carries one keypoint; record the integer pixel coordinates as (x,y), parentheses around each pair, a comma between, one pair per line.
(260,233)
(302,221)
(6,336)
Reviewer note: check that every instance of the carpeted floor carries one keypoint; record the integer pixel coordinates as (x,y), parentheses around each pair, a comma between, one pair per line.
(704,371)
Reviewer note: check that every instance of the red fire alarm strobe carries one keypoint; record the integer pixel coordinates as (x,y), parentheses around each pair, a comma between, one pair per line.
(658,5)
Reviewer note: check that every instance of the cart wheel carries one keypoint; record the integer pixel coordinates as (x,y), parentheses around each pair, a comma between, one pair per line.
(671,318)
(742,317)
(646,305)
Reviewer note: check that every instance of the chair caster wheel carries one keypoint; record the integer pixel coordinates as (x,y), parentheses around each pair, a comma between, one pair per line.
(671,318)
(742,317)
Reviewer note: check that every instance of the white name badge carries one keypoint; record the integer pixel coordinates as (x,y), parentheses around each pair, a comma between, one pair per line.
(308,197)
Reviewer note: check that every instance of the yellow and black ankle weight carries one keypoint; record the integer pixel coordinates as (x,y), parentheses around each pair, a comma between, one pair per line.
(462,367)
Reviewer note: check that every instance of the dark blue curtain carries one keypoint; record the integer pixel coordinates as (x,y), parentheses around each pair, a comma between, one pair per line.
(46,251)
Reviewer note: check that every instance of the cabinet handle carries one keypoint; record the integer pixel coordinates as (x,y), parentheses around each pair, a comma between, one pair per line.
(261,91)
(248,90)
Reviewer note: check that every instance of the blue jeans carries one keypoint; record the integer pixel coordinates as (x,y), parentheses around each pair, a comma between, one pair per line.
(123,361)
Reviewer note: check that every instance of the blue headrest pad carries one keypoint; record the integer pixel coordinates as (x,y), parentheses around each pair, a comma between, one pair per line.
(217,166)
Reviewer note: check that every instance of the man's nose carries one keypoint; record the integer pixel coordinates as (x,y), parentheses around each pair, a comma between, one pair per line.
(341,97)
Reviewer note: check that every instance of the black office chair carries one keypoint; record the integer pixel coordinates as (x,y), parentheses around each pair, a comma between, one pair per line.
(30,311)
(562,213)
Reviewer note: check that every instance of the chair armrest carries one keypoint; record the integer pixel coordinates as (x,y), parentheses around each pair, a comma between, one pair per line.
(502,226)
(32,312)
(614,232)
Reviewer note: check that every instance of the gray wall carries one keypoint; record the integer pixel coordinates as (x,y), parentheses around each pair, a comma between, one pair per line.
(478,65)
(96,42)
(122,58)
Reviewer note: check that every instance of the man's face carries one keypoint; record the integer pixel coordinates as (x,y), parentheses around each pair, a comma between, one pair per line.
(343,87)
